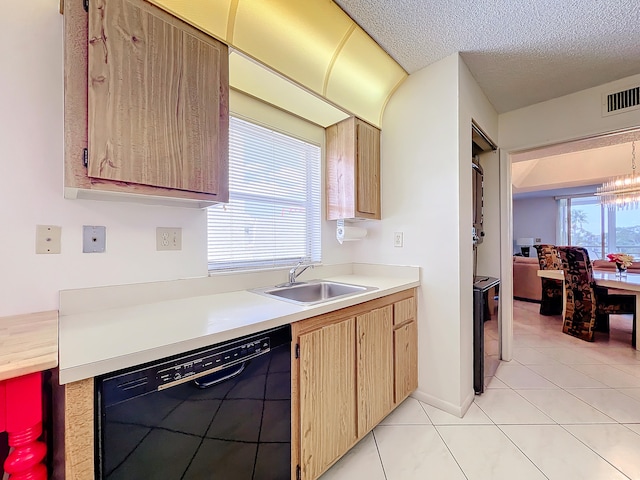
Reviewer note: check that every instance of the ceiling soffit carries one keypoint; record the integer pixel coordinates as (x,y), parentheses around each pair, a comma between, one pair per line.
(582,162)
(314,44)
(520,53)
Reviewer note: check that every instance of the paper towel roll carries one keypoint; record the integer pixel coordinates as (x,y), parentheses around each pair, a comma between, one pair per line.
(348,234)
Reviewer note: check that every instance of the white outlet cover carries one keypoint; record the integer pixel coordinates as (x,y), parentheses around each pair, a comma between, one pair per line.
(48,239)
(398,239)
(94,239)
(168,238)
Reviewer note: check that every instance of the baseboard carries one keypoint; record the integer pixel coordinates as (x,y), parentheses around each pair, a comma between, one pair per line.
(457,410)
(522,299)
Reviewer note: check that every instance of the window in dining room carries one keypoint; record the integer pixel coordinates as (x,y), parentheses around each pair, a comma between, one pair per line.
(582,221)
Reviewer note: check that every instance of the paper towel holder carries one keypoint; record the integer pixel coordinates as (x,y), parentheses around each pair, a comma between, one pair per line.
(345,233)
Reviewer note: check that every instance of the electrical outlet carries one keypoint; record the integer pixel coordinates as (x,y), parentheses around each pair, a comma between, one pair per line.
(48,239)
(168,238)
(94,239)
(398,239)
(538,240)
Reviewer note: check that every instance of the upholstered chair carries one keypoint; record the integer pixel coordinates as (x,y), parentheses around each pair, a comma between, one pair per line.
(551,300)
(584,300)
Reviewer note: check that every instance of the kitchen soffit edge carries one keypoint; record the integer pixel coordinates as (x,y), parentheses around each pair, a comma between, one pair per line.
(520,53)
(313,43)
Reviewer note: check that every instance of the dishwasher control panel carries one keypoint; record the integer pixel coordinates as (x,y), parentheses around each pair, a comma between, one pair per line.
(133,382)
(212,361)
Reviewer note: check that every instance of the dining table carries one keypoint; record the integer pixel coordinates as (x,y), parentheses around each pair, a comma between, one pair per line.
(627,283)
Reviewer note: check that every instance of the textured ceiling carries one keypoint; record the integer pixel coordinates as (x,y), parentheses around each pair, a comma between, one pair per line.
(520,52)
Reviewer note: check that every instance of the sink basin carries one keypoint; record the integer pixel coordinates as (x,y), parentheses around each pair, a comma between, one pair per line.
(309,293)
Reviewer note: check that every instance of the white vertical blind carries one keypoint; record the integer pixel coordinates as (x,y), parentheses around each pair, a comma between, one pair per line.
(273,214)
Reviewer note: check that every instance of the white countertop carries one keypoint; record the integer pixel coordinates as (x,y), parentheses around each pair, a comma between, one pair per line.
(95,342)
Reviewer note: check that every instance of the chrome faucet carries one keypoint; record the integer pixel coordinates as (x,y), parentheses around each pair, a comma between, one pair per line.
(294,273)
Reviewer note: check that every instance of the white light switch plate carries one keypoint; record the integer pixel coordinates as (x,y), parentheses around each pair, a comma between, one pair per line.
(48,238)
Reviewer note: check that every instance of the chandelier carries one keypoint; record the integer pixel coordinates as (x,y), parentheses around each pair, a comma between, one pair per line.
(623,191)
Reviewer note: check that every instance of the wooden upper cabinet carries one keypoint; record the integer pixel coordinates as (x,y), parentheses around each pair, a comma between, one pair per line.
(154,99)
(353,170)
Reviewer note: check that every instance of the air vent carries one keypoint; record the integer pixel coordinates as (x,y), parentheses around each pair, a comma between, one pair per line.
(619,102)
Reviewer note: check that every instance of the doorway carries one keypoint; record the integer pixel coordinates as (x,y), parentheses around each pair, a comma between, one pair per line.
(553,171)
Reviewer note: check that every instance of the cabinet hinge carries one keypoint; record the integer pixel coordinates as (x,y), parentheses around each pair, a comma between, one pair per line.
(85,5)
(85,157)
(297,352)
(298,472)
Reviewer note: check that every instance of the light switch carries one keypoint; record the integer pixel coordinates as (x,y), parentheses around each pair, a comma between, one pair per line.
(94,239)
(48,238)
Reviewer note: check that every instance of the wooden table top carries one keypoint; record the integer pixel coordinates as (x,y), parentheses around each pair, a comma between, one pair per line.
(28,343)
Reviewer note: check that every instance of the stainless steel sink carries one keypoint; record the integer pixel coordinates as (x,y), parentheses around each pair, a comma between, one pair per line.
(310,293)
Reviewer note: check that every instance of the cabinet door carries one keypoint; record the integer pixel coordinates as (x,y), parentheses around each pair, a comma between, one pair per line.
(341,170)
(368,170)
(375,367)
(404,310)
(406,360)
(327,396)
(158,99)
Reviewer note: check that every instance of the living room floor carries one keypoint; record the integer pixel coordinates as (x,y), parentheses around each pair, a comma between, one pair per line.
(561,409)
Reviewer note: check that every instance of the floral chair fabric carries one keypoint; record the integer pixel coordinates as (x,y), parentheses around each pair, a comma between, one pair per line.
(585,301)
(551,301)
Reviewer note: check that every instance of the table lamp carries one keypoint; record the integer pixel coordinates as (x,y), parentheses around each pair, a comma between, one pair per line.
(525,244)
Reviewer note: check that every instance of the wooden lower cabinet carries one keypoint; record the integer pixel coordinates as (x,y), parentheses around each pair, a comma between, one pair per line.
(405,346)
(327,395)
(351,368)
(375,367)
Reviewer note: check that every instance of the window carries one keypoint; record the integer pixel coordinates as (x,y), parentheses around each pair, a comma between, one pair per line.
(586,223)
(273,215)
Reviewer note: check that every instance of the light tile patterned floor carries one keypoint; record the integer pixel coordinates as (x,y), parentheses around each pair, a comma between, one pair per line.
(562,409)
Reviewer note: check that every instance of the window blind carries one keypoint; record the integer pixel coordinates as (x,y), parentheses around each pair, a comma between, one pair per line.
(273,215)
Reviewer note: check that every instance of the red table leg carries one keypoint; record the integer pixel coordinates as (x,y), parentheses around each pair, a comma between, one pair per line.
(23,417)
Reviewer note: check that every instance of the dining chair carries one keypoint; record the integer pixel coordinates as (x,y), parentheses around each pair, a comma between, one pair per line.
(551,300)
(585,302)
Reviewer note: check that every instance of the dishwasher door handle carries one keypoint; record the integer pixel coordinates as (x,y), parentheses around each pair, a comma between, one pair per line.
(207,381)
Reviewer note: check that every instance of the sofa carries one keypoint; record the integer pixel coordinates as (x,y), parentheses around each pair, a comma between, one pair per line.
(527,285)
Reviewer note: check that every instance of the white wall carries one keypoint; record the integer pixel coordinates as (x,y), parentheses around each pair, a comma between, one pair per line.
(426,194)
(31,152)
(570,117)
(473,105)
(489,249)
(535,218)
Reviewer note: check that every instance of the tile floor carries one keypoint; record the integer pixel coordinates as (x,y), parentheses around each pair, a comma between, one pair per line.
(561,409)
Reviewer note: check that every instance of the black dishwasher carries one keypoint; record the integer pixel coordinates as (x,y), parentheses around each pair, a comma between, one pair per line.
(220,412)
